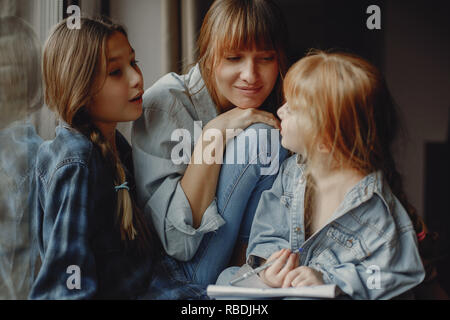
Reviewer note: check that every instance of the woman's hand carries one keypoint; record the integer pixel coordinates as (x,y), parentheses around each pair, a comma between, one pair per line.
(285,261)
(303,276)
(238,118)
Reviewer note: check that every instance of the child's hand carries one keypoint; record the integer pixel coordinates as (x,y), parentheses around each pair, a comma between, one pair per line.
(303,276)
(274,275)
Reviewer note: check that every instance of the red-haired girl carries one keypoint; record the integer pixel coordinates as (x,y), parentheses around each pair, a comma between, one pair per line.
(336,212)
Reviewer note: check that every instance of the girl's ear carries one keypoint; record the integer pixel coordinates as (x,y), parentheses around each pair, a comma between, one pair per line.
(323,148)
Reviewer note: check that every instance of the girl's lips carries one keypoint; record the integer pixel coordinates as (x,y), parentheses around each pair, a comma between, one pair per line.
(137,100)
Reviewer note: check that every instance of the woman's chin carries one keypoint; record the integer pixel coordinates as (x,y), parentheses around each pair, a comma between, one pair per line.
(248,106)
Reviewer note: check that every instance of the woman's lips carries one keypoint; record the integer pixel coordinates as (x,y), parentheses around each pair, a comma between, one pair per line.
(249,90)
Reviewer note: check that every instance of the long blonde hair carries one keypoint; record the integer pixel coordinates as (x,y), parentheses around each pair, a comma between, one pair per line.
(242,24)
(72,62)
(352,112)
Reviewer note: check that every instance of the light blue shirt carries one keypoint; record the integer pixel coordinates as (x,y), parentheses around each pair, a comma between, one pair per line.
(173,102)
(368,247)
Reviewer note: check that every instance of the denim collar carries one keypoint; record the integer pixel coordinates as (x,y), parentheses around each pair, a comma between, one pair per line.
(361,192)
(364,190)
(123,147)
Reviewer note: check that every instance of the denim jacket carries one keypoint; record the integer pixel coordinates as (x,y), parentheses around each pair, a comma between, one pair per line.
(368,248)
(173,102)
(74,222)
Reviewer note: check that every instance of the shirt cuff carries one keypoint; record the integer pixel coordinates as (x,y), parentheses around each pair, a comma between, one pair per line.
(255,257)
(180,215)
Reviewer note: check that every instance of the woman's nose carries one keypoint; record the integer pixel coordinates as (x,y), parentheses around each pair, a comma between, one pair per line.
(249,72)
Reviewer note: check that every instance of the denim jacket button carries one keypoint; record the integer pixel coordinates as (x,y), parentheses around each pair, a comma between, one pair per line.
(297,229)
(349,243)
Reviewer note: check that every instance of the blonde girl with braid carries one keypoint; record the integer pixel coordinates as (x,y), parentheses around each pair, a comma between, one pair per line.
(93,240)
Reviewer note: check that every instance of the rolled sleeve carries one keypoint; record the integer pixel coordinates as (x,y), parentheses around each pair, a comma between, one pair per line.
(180,239)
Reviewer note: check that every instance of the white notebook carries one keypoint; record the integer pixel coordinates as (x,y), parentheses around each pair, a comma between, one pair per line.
(253,287)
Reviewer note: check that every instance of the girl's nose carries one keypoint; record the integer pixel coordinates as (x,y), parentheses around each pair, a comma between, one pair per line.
(136,79)
(280,111)
(249,72)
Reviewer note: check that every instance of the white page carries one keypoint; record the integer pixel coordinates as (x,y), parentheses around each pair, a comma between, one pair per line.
(323,291)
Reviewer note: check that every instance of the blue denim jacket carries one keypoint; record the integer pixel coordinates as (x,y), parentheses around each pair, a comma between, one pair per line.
(368,248)
(75,225)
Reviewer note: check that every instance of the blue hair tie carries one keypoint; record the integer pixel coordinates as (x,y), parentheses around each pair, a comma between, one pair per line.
(122,186)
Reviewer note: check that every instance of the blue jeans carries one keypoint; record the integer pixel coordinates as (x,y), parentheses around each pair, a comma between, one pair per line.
(238,191)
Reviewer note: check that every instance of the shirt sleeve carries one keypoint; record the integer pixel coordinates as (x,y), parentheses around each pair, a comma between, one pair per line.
(270,228)
(158,176)
(68,268)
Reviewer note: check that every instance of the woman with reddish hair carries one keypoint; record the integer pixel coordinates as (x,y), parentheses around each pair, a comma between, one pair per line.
(203,209)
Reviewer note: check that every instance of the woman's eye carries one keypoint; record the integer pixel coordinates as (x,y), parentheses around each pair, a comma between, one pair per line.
(233,58)
(271,58)
(134,62)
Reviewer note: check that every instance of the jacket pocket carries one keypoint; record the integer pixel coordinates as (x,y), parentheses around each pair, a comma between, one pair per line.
(347,246)
(339,246)
(326,257)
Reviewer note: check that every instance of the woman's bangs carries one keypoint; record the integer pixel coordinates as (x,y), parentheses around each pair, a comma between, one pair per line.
(243,34)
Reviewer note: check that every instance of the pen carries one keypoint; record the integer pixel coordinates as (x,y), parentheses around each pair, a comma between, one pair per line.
(252,272)
(255,271)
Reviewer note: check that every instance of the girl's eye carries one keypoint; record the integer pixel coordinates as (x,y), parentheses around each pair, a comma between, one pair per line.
(115,72)
(134,63)
(233,58)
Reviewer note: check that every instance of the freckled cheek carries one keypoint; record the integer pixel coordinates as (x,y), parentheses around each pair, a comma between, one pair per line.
(270,74)
(118,94)
(227,76)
